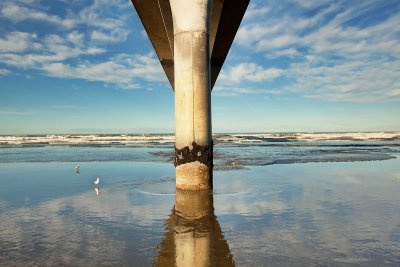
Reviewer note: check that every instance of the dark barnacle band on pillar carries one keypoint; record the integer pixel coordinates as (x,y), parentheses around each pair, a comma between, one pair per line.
(202,154)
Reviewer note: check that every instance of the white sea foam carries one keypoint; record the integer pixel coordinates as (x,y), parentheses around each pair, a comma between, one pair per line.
(124,139)
(313,137)
(87,139)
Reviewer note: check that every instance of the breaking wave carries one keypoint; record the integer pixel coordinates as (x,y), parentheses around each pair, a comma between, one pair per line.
(128,139)
(231,151)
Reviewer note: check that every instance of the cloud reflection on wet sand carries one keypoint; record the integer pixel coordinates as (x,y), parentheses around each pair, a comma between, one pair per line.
(329,214)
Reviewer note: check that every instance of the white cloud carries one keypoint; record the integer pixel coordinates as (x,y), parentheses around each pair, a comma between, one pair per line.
(280,41)
(17,113)
(16,41)
(249,72)
(351,41)
(114,36)
(68,51)
(250,34)
(357,81)
(338,53)
(319,34)
(69,46)
(234,91)
(289,52)
(100,14)
(4,72)
(255,11)
(311,3)
(330,57)
(19,13)
(76,38)
(123,70)
(54,48)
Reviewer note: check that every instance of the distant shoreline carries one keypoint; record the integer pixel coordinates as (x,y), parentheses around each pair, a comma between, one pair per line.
(214,133)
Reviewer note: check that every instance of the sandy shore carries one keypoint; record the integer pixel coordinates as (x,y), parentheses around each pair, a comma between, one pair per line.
(342,214)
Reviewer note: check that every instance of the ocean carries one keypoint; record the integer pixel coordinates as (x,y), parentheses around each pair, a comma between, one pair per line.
(279,199)
(231,151)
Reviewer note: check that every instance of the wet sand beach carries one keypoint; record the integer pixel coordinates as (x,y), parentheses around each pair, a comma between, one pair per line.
(308,214)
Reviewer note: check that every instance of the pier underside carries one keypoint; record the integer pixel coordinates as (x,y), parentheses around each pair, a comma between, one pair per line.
(157,20)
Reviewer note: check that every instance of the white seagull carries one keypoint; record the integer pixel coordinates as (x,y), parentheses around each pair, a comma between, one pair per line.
(97,181)
(77,167)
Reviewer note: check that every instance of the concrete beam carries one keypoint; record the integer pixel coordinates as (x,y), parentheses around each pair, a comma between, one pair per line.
(157,21)
(225,20)
(228,20)
(214,20)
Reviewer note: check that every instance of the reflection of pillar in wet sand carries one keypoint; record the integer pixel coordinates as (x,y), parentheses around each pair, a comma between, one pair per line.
(193,236)
(193,143)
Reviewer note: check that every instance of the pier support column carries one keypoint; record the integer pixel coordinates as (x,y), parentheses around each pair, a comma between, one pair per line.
(193,143)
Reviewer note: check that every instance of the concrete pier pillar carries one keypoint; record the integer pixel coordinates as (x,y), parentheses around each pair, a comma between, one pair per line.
(193,145)
(192,39)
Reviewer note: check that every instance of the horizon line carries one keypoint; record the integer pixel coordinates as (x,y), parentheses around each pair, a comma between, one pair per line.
(215,133)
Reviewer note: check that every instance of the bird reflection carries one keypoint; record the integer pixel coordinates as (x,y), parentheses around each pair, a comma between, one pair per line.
(78,169)
(97,190)
(193,236)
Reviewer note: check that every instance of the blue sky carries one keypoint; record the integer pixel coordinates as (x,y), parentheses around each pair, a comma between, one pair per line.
(302,65)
